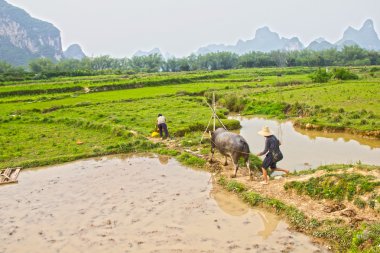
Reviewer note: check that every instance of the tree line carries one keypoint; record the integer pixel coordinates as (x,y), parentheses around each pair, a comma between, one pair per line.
(45,68)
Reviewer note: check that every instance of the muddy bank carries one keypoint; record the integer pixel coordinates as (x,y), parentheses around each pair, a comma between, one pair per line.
(129,204)
(372,134)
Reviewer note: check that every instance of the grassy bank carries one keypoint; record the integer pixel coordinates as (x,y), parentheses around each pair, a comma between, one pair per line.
(342,236)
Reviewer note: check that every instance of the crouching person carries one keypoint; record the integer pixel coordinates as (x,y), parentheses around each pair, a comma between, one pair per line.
(162,127)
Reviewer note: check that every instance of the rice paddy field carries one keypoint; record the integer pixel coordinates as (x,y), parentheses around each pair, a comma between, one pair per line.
(43,120)
(52,121)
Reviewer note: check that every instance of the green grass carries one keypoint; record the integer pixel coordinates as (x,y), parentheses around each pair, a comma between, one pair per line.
(109,114)
(191,160)
(350,95)
(335,186)
(35,144)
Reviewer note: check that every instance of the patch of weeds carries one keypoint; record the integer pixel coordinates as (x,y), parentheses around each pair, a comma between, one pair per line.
(234,186)
(366,239)
(205,151)
(360,203)
(165,151)
(222,180)
(191,160)
(334,186)
(278,205)
(191,139)
(252,198)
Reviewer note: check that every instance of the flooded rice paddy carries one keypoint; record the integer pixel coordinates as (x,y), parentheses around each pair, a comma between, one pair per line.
(305,149)
(134,204)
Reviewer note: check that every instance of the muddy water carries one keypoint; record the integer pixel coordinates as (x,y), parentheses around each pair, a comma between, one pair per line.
(308,149)
(127,204)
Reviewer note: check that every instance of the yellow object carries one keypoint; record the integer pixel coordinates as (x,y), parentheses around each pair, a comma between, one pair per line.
(155,134)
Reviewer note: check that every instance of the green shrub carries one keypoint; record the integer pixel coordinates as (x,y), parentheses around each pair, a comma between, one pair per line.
(321,76)
(344,74)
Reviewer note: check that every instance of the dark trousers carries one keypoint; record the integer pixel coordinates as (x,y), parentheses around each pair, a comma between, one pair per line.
(163,127)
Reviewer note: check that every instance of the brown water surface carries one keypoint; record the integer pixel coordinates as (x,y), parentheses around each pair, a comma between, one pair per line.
(305,149)
(131,204)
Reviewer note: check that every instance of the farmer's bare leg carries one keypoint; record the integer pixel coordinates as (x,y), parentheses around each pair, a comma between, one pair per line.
(283,170)
(265,175)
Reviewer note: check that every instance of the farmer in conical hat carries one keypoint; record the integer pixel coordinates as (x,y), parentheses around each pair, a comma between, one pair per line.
(161,124)
(272,151)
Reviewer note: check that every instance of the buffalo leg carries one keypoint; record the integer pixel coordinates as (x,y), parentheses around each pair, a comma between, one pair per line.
(212,154)
(235,162)
(225,161)
(249,169)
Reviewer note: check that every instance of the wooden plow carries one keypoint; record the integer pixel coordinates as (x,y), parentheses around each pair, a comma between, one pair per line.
(9,175)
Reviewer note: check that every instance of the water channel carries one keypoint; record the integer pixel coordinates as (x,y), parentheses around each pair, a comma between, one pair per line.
(305,149)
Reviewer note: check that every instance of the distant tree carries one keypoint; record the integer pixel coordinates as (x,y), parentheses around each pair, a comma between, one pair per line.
(354,55)
(41,65)
(349,55)
(5,67)
(279,58)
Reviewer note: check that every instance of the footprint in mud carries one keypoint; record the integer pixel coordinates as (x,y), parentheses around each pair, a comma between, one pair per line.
(233,246)
(175,228)
(13,230)
(135,220)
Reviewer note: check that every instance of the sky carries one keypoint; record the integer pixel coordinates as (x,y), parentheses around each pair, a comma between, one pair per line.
(121,27)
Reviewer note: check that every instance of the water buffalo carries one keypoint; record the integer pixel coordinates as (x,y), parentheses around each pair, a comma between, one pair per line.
(232,145)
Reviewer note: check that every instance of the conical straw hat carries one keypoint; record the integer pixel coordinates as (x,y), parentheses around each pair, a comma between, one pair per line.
(265,131)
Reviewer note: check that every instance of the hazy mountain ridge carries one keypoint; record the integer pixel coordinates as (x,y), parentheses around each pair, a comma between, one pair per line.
(265,41)
(74,52)
(23,38)
(140,53)
(366,37)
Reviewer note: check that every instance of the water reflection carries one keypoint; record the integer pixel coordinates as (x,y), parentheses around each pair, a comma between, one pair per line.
(270,222)
(228,202)
(231,204)
(163,159)
(308,149)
